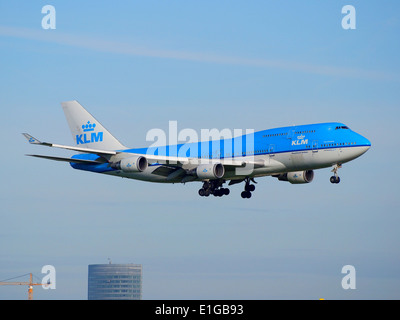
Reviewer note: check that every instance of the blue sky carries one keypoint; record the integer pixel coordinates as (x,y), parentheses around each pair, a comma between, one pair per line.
(136,65)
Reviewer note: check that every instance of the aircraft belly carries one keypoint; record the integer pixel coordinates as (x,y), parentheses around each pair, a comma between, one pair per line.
(273,166)
(310,159)
(351,153)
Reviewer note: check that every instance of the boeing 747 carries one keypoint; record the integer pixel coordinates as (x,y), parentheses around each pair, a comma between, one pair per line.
(288,153)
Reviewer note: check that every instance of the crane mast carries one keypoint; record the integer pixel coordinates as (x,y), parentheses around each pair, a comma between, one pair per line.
(29,283)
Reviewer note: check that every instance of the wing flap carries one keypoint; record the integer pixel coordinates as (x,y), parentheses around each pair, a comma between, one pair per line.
(165,171)
(155,159)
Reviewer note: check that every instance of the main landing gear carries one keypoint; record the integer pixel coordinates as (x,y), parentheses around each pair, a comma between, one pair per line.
(213,187)
(248,189)
(335,178)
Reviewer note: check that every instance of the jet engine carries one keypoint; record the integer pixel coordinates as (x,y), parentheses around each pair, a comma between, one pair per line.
(210,171)
(297,177)
(131,164)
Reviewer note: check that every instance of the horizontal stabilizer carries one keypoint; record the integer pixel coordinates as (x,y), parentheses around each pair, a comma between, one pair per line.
(70,160)
(31,139)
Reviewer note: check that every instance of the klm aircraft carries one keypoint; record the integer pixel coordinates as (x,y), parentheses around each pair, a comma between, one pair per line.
(289,154)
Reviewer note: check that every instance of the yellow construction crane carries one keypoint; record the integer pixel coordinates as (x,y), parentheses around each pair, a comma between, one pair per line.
(29,283)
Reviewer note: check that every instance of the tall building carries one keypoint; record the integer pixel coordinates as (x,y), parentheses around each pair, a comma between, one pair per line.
(115,282)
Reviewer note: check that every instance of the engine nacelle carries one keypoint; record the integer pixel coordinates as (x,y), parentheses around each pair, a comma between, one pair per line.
(131,164)
(297,177)
(210,171)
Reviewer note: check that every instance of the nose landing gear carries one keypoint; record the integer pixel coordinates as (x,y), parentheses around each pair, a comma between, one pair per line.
(335,178)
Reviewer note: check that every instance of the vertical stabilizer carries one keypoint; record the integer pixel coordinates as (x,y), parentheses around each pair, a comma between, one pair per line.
(86,131)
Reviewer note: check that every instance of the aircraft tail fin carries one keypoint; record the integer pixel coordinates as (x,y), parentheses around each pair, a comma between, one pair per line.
(86,131)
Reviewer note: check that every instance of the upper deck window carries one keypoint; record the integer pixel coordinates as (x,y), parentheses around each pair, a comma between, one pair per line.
(274,135)
(305,131)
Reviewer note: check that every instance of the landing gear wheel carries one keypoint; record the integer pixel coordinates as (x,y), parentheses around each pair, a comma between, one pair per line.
(213,187)
(334,179)
(248,188)
(246,194)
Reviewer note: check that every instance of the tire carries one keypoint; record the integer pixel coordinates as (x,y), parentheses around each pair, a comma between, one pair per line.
(246,194)
(202,192)
(252,187)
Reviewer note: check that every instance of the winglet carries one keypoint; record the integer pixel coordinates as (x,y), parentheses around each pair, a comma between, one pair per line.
(31,139)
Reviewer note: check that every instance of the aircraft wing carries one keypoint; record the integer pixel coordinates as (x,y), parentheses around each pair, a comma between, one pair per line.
(33,140)
(168,161)
(150,158)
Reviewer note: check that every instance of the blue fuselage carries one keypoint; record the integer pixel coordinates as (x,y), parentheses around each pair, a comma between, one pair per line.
(284,149)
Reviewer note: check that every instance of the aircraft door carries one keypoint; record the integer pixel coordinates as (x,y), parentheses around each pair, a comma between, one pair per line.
(315,146)
(290,134)
(271,151)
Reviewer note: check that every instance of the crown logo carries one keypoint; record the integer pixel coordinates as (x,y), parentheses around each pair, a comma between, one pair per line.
(88,127)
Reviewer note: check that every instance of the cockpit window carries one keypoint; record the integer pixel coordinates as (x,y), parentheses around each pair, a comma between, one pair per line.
(341,127)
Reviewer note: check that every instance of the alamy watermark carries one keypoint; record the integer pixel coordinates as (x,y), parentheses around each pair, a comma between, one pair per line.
(349,20)
(349,280)
(49,20)
(208,147)
(49,280)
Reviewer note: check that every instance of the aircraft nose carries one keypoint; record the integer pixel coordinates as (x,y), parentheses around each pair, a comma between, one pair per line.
(367,143)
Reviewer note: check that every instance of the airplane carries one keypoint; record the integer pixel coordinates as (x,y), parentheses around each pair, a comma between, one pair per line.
(289,154)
